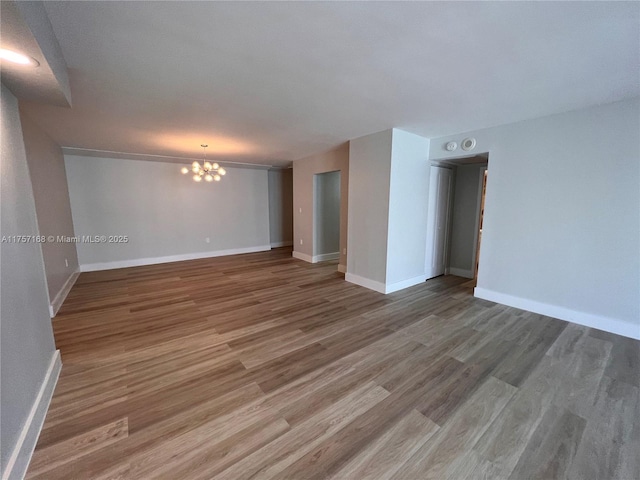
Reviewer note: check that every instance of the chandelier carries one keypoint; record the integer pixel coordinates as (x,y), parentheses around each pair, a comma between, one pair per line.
(208,171)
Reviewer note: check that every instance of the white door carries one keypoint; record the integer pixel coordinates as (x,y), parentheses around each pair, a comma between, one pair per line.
(437,221)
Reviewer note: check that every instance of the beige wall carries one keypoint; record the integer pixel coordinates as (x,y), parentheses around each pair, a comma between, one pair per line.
(51,193)
(303,172)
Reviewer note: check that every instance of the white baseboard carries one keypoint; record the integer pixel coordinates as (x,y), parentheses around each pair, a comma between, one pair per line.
(365,282)
(62,294)
(326,256)
(16,466)
(381,287)
(459,272)
(302,256)
(394,287)
(281,244)
(613,325)
(92,267)
(342,268)
(315,258)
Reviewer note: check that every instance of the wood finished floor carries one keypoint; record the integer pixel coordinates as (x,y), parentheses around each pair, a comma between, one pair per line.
(263,366)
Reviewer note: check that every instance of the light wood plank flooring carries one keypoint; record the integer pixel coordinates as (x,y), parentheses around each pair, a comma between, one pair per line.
(263,366)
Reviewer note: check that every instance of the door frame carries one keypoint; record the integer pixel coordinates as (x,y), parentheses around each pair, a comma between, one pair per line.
(476,232)
(315,256)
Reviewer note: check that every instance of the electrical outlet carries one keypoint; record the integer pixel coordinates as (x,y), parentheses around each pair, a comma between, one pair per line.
(207,239)
(300,241)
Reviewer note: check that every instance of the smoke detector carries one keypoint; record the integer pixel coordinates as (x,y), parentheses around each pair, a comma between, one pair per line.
(468,144)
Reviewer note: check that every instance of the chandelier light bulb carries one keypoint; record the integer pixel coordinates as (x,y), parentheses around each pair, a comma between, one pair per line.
(210,172)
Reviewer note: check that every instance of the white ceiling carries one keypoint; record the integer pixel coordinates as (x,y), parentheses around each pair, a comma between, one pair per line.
(271,82)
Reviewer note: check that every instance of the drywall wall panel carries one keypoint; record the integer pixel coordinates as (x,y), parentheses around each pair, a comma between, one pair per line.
(281,207)
(326,213)
(369,176)
(303,172)
(51,194)
(26,336)
(464,218)
(561,228)
(408,202)
(151,210)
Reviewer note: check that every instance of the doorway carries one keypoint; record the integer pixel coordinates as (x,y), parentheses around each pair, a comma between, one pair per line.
(326,216)
(455,216)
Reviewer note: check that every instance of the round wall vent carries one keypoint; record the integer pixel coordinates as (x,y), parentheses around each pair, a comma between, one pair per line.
(468,143)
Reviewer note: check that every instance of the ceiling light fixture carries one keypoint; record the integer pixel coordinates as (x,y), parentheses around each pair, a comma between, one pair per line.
(208,171)
(19,58)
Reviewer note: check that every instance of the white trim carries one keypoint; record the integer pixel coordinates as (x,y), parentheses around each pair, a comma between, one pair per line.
(342,268)
(92,267)
(381,287)
(607,324)
(62,294)
(365,282)
(460,272)
(302,256)
(325,257)
(287,243)
(16,467)
(394,287)
(91,152)
(449,217)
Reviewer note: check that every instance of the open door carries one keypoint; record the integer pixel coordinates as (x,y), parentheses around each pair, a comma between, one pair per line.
(437,221)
